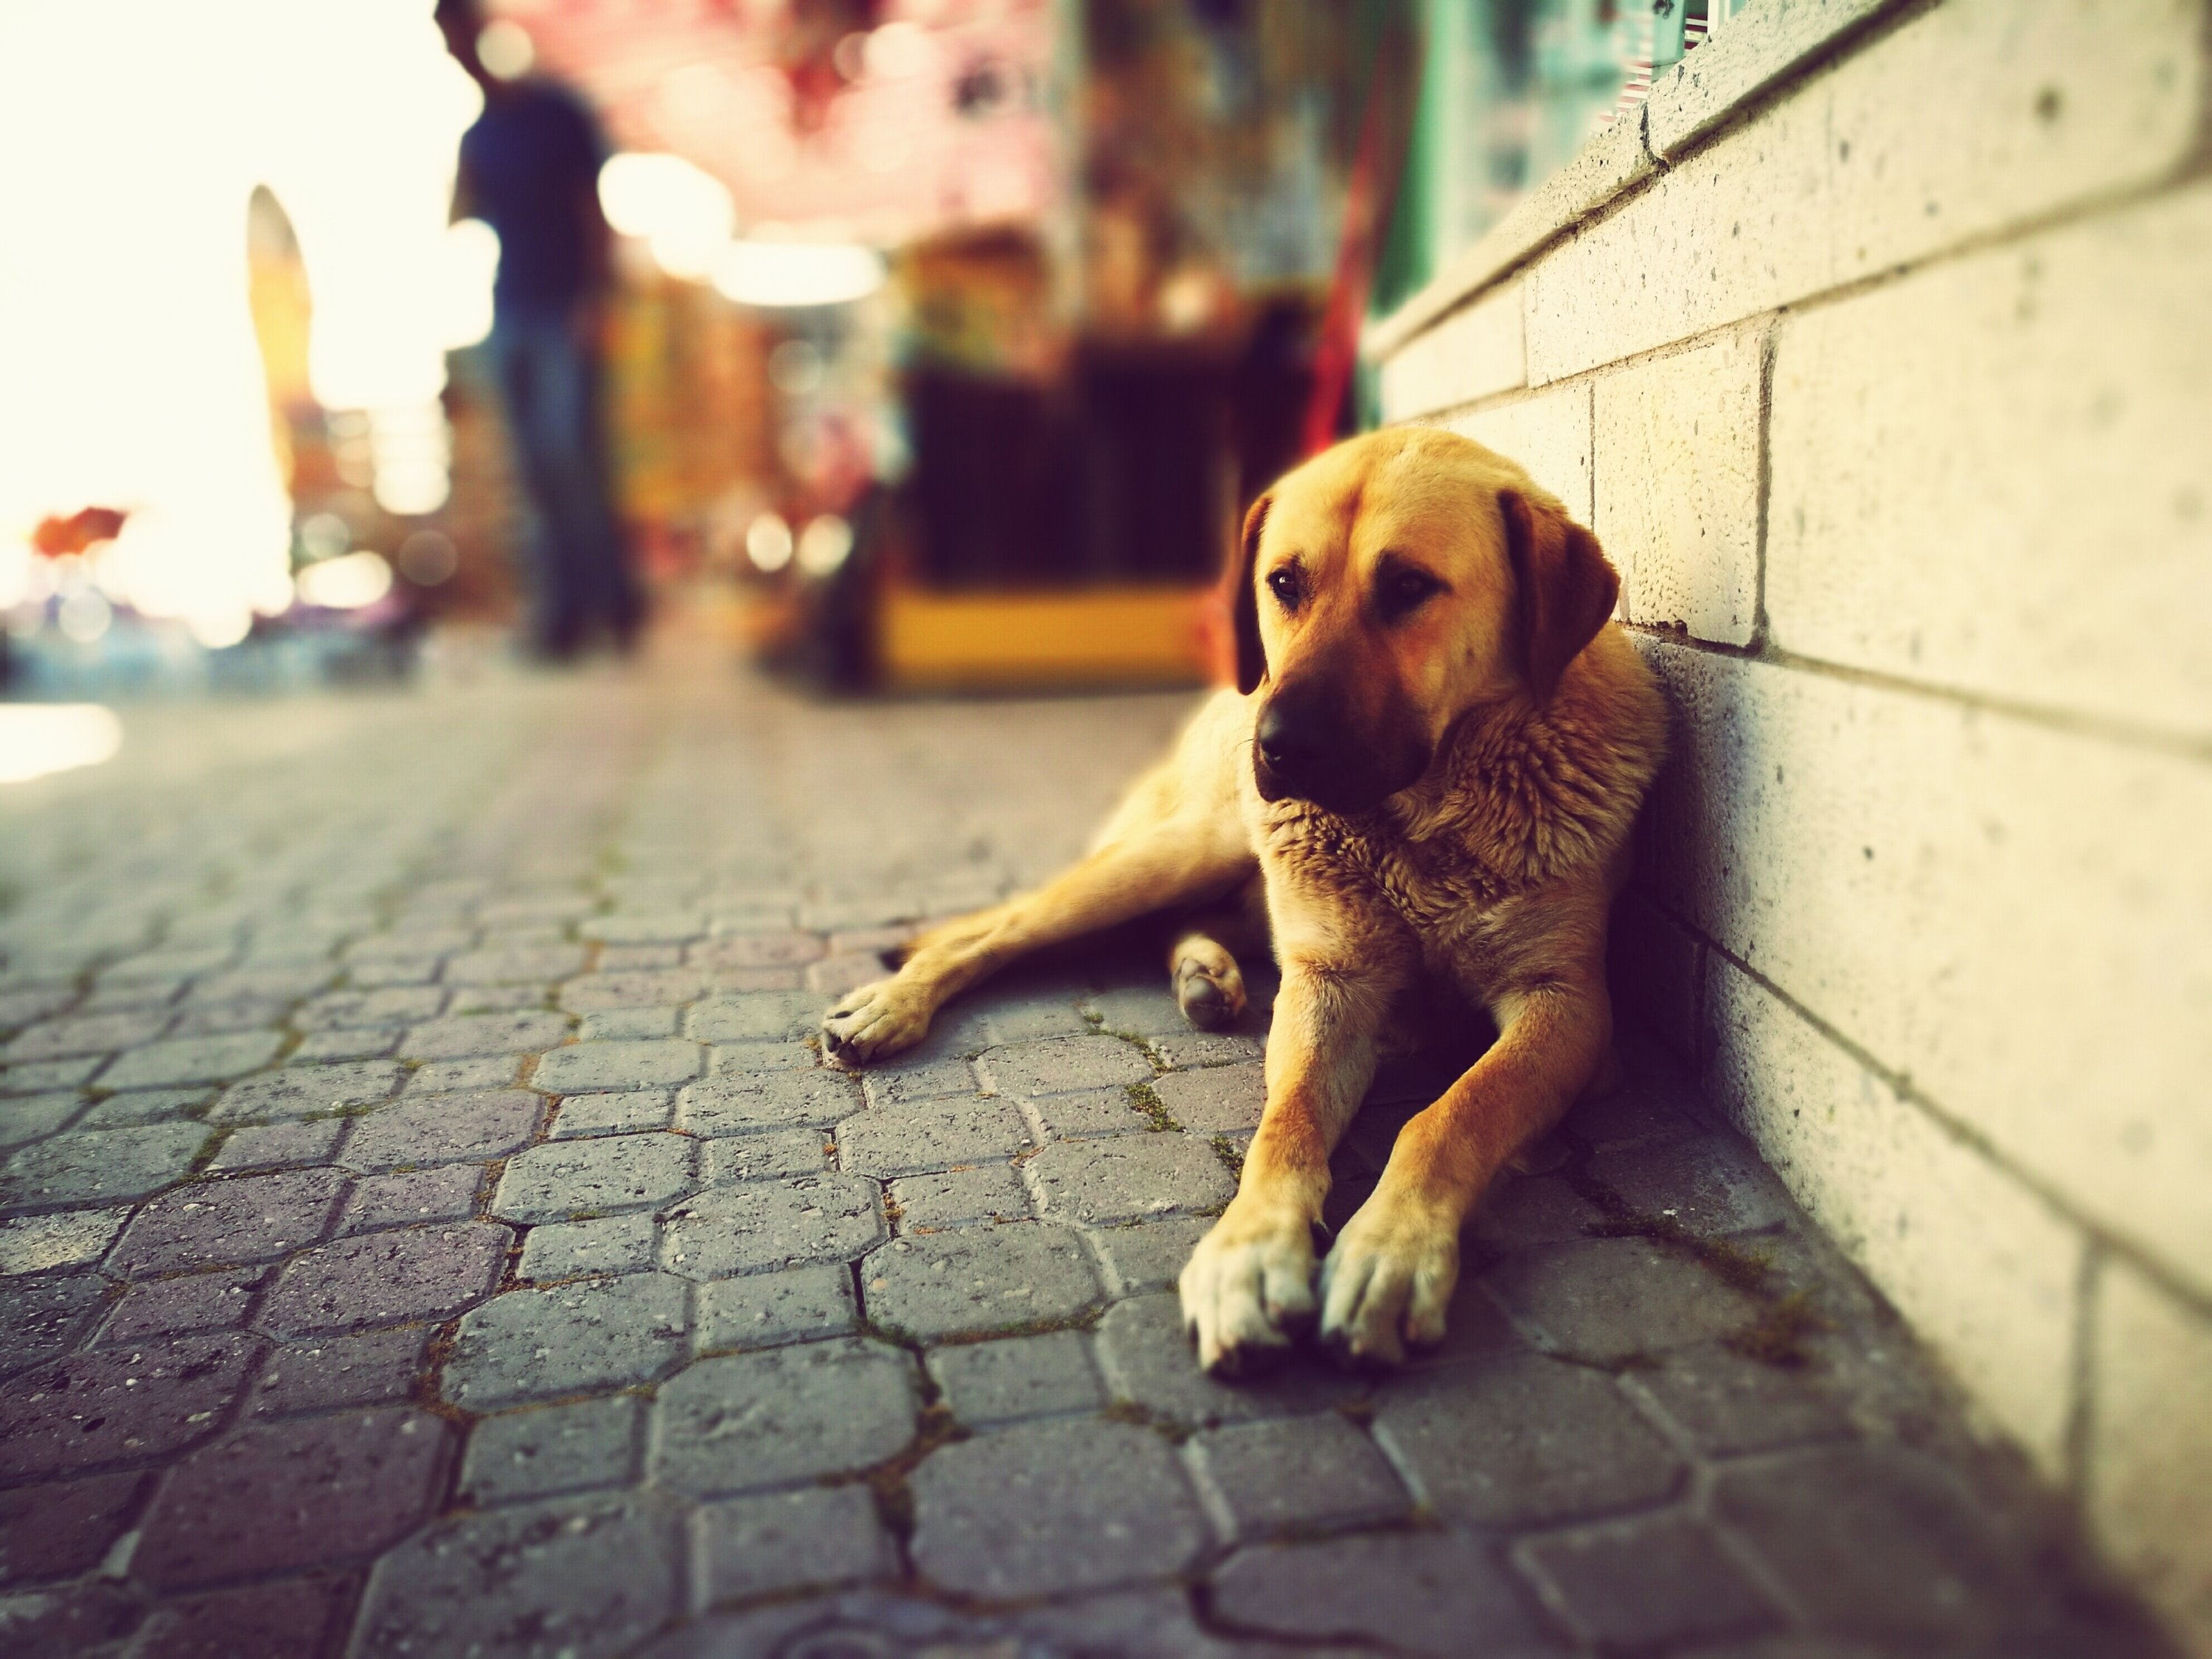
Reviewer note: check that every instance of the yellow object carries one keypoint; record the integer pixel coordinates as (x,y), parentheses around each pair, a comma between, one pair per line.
(1100,636)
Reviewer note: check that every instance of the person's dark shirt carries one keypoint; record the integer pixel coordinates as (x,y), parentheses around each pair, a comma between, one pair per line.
(525,162)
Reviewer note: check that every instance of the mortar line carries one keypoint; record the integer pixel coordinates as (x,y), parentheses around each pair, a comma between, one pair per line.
(2071,722)
(2081,1406)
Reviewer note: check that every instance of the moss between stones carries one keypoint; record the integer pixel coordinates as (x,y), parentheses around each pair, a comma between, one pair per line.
(1776,1337)
(1147,1102)
(1173,1430)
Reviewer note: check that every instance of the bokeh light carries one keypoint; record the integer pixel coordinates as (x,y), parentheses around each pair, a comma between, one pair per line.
(37,740)
(506,49)
(768,543)
(130,375)
(797,274)
(347,583)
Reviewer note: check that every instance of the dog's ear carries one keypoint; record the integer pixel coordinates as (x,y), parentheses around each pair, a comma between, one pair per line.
(1566,587)
(1244,600)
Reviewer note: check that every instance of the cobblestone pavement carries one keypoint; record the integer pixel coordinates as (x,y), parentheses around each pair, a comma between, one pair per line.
(430,1230)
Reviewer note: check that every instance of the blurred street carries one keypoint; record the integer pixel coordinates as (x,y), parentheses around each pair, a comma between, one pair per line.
(429,1229)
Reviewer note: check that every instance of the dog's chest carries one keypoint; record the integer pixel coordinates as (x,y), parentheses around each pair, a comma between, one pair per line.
(1446,899)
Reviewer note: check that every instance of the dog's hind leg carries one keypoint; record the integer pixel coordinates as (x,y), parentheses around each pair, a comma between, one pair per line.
(1202,962)
(1166,865)
(1176,842)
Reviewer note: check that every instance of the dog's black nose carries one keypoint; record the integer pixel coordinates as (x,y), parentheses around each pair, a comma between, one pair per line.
(1303,738)
(1291,740)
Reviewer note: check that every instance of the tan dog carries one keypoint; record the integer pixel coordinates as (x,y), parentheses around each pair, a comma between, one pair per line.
(1432,765)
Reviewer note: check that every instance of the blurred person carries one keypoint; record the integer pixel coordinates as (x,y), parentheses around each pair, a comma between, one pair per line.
(529,168)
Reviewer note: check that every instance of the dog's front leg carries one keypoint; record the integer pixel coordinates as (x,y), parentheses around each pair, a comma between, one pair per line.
(1390,1276)
(1247,1288)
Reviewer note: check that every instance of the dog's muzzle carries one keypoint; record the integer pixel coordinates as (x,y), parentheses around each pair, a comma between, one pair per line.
(1307,748)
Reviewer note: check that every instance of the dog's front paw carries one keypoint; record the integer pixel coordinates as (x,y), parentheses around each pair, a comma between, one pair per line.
(875,1021)
(1247,1289)
(1387,1283)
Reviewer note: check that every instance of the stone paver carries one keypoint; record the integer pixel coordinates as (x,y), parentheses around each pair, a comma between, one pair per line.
(1086,1112)
(930,1134)
(771,1223)
(732,1158)
(277,1145)
(101,1168)
(570,1249)
(305,1091)
(1645,1583)
(386,1279)
(639,1064)
(285,1615)
(1127,1178)
(484,1034)
(781,1541)
(741,1104)
(1052,1507)
(584,1576)
(96,1409)
(427,1227)
(350,1484)
(1047,1376)
(1426,1593)
(142,1106)
(320,1373)
(993,1192)
(613,1113)
(786,1414)
(1296,1473)
(27,1118)
(1146,1361)
(444,1129)
(763,1311)
(754,1017)
(1525,1440)
(191,1059)
(407,1198)
(593,1178)
(59,1238)
(246,1218)
(42,1318)
(1615,1300)
(1056,1064)
(172,1307)
(979,1280)
(1216,1100)
(588,1446)
(580,1337)
(53,1531)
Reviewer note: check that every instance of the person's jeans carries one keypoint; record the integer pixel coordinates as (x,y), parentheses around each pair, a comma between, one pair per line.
(578,571)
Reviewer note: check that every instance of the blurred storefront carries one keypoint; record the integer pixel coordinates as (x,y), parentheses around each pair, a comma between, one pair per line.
(952,336)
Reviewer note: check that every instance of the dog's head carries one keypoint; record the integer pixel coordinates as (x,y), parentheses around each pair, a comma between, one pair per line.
(1388,586)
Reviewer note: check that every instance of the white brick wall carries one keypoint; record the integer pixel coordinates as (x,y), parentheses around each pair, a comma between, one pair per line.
(2018,918)
(1967,119)
(1886,377)
(1470,354)
(1676,477)
(1994,475)
(1712,84)
(1548,434)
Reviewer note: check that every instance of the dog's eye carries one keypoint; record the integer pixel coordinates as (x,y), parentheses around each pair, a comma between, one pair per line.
(1283,583)
(1403,590)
